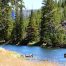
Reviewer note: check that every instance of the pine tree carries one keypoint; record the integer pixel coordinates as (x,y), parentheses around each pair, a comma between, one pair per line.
(19,26)
(37,17)
(65,9)
(6,19)
(51,21)
(46,23)
(21,20)
(32,29)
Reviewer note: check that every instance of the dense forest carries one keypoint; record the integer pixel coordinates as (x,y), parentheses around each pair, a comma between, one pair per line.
(42,27)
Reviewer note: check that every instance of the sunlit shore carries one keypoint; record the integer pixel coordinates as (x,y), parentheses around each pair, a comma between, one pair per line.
(9,58)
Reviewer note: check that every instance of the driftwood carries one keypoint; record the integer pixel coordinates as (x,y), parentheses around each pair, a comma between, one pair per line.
(31,55)
(6,42)
(2,41)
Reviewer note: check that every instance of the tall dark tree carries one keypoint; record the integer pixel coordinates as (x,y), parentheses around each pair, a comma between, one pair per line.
(46,23)
(33,29)
(6,19)
(65,9)
(51,21)
(19,20)
(30,29)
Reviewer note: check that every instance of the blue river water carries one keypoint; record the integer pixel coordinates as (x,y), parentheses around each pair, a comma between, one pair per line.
(56,55)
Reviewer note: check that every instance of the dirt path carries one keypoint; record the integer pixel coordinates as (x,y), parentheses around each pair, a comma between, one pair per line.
(10,59)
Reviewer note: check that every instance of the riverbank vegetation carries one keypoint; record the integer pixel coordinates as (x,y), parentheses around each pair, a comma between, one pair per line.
(42,27)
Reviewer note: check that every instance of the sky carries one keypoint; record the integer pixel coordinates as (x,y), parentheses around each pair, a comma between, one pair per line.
(33,4)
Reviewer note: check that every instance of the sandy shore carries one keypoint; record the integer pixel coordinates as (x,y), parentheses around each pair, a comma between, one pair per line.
(8,58)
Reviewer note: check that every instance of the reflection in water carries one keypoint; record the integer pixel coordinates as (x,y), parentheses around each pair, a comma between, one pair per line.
(56,55)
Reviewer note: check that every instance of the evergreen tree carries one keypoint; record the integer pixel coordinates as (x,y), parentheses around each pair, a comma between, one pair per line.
(46,23)
(21,20)
(6,19)
(18,29)
(33,29)
(51,21)
(37,17)
(30,29)
(65,9)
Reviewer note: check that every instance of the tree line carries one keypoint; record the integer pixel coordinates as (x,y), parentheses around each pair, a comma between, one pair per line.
(42,26)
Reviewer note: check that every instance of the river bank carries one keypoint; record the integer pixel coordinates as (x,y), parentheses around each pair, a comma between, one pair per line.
(9,58)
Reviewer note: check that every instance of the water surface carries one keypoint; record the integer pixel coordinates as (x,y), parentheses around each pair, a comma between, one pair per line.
(40,54)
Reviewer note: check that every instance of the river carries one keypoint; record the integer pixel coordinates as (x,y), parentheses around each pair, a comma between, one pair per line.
(39,54)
